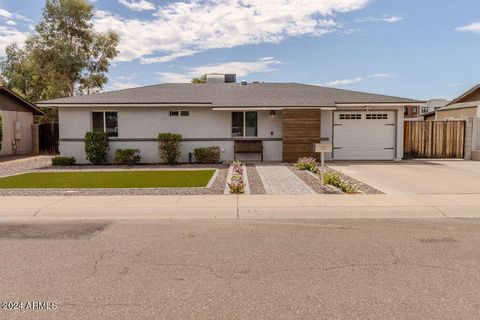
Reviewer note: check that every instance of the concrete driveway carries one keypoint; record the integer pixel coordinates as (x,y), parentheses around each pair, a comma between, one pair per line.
(416,176)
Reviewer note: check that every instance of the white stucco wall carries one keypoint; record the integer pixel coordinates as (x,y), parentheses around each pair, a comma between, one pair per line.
(24,145)
(139,127)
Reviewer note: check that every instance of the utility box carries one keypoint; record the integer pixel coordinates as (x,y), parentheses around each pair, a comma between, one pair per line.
(17,132)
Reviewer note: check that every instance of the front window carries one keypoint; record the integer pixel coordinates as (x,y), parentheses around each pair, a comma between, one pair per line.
(424,109)
(244,124)
(105,121)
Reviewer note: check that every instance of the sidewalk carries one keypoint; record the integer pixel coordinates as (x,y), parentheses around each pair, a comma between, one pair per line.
(241,207)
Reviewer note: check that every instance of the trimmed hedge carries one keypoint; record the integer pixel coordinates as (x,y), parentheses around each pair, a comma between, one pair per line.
(170,147)
(127,156)
(63,161)
(96,147)
(207,155)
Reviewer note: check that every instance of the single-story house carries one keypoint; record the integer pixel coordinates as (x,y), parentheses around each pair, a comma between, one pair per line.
(17,120)
(288,118)
(464,107)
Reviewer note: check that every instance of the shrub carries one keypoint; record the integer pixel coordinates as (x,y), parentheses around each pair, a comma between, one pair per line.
(331,177)
(334,178)
(170,146)
(207,155)
(96,147)
(237,185)
(307,163)
(127,156)
(63,161)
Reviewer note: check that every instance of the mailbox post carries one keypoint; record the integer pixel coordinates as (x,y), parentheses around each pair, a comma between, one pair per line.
(322,148)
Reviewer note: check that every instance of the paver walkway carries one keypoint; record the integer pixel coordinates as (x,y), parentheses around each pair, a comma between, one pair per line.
(278,179)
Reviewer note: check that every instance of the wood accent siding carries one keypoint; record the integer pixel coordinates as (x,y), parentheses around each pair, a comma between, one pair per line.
(301,129)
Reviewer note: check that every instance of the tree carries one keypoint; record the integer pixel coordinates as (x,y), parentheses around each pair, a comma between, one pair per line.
(202,79)
(64,57)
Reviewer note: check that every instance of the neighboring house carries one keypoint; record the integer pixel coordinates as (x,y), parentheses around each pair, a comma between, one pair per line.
(465,107)
(17,120)
(287,117)
(410,111)
(432,105)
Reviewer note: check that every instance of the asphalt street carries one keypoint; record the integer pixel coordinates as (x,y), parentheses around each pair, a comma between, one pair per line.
(242,269)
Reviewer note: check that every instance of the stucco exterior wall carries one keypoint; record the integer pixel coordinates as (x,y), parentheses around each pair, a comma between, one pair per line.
(24,145)
(456,113)
(139,127)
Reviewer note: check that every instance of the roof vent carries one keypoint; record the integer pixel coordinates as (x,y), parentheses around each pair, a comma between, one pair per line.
(244,82)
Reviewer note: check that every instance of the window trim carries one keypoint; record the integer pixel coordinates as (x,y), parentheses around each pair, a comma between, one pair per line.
(104,111)
(244,136)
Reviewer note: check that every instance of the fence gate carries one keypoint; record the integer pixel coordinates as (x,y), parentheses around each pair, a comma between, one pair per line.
(48,136)
(434,139)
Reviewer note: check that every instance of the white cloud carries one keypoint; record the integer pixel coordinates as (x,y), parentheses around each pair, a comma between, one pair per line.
(473,27)
(384,18)
(167,58)
(138,5)
(10,35)
(198,25)
(120,85)
(240,68)
(346,82)
(5,14)
(11,22)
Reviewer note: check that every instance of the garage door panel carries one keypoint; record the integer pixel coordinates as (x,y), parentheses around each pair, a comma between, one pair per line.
(364,135)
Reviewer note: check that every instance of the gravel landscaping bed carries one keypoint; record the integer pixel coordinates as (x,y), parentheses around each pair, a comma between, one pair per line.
(363,187)
(313,183)
(217,187)
(256,185)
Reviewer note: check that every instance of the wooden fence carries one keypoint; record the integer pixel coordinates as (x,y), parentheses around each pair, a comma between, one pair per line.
(434,139)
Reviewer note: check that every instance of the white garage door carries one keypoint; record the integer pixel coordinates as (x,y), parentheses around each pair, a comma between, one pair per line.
(364,135)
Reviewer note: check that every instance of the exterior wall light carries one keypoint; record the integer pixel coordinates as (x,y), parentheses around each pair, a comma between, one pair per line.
(272,114)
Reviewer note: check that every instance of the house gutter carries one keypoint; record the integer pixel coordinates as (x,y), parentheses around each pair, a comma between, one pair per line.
(270,108)
(418,104)
(116,105)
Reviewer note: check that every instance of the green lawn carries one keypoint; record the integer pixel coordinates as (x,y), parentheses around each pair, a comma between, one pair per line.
(109,179)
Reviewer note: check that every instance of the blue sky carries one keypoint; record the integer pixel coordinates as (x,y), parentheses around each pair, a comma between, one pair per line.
(414,48)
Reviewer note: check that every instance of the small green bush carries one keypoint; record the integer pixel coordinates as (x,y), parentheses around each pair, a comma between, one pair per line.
(334,178)
(331,177)
(63,161)
(127,156)
(307,163)
(207,155)
(96,147)
(170,147)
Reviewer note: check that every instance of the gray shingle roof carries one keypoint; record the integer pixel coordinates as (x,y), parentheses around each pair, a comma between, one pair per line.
(232,95)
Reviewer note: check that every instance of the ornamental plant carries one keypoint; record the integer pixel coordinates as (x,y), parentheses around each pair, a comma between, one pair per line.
(334,178)
(127,156)
(237,185)
(307,163)
(170,147)
(96,147)
(207,155)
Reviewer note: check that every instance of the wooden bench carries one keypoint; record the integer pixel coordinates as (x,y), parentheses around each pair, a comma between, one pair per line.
(248,146)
